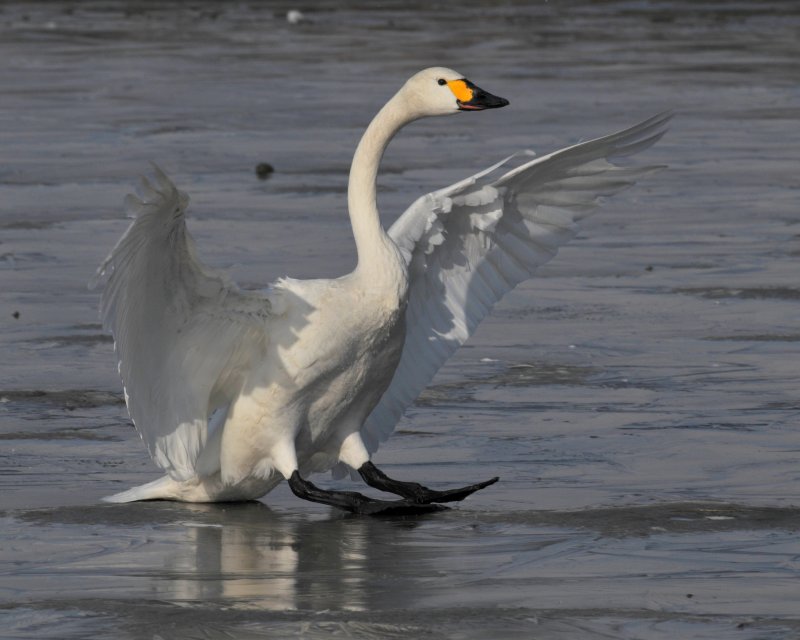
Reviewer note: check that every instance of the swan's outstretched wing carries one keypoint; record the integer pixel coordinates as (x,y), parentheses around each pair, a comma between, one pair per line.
(184,335)
(471,243)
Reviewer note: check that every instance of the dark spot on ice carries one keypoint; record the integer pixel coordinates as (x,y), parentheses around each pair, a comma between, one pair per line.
(69,399)
(264,170)
(15,314)
(744,293)
(73,340)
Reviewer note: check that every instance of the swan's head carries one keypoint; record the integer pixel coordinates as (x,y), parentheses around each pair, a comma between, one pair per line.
(438,91)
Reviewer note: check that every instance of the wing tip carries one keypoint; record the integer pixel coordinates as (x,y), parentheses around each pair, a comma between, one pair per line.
(159,192)
(163,179)
(162,198)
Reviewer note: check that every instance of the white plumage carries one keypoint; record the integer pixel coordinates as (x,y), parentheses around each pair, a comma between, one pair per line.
(233,391)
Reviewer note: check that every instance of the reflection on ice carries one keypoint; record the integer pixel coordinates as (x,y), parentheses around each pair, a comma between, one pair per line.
(242,556)
(232,566)
(252,558)
(235,563)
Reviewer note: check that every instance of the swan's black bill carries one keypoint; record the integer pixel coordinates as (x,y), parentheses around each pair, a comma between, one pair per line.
(480,99)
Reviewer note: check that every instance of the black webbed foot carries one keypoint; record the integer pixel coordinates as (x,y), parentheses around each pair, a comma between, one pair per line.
(413,491)
(355,502)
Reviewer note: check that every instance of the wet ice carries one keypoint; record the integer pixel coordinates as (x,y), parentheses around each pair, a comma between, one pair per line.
(638,398)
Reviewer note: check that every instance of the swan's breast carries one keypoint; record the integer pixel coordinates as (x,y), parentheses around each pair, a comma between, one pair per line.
(336,329)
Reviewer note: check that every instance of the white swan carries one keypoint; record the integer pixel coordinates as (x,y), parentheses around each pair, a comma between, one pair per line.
(234,391)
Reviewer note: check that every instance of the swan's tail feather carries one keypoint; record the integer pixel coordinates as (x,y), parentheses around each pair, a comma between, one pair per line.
(209,489)
(162,489)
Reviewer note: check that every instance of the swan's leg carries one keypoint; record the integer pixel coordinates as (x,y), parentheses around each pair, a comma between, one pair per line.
(354,453)
(284,458)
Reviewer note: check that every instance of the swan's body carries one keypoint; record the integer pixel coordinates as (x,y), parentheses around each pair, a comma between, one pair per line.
(235,391)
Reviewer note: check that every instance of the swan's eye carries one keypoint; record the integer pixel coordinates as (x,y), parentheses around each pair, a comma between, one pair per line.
(441,81)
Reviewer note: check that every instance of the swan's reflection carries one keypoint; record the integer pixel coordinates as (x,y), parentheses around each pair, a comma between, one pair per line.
(248,556)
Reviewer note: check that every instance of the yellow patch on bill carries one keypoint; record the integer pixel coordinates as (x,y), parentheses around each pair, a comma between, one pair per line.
(460,90)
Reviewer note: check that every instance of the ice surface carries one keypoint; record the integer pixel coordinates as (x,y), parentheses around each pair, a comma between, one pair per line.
(638,399)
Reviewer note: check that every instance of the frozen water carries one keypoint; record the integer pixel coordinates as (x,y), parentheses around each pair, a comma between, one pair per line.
(639,398)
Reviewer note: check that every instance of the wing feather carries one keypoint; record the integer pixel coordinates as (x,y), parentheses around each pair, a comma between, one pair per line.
(469,244)
(185,336)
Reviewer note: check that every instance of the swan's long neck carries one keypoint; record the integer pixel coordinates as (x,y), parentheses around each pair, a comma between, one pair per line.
(373,245)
